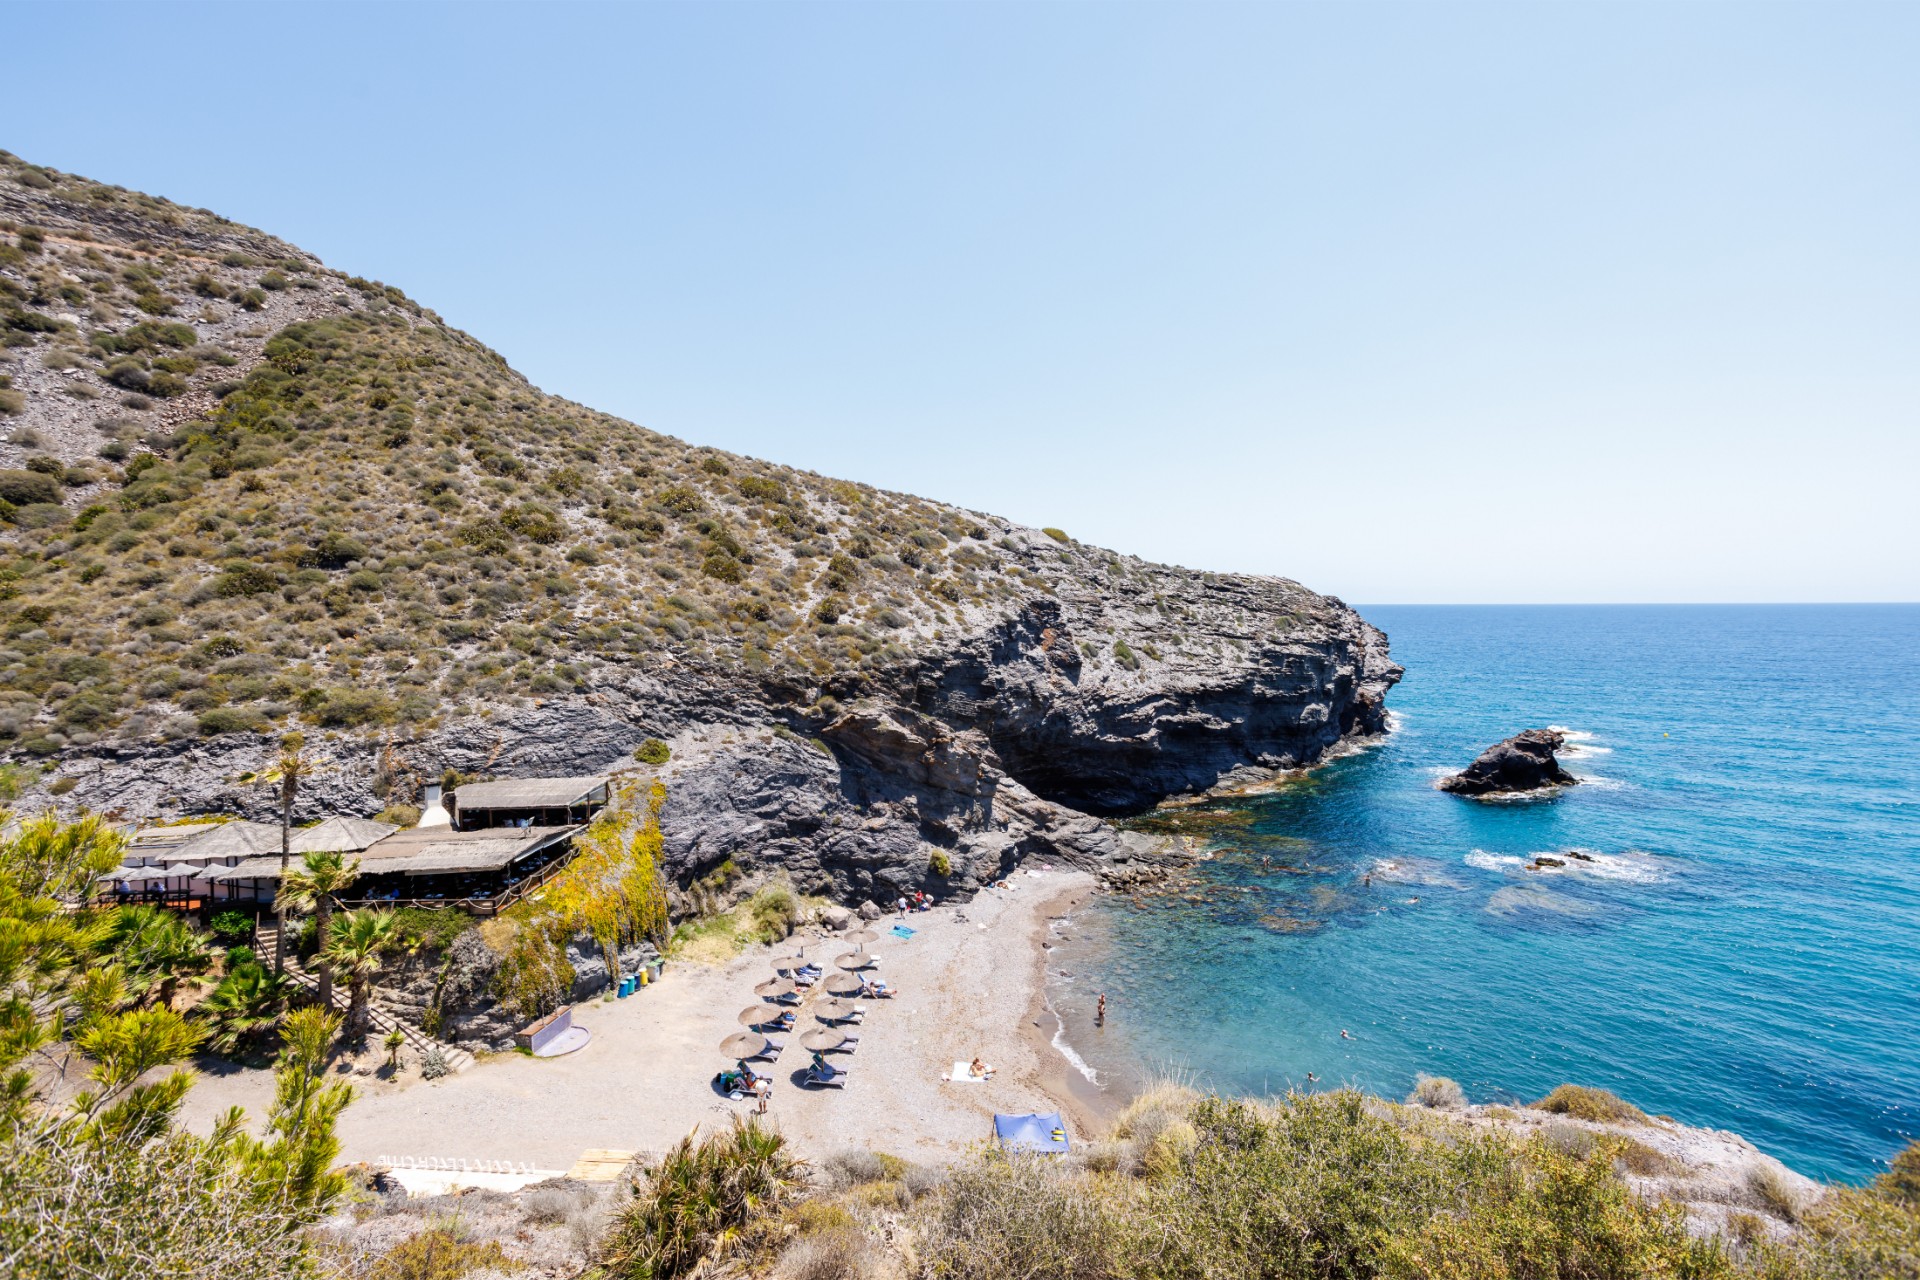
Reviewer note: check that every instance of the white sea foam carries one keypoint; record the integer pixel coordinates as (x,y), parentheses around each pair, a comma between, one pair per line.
(1629,867)
(1066,1050)
(1580,744)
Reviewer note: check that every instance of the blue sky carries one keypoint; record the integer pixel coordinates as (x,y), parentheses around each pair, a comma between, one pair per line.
(1435,302)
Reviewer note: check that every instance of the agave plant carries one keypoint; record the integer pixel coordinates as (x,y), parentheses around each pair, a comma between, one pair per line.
(699,1199)
(244,1009)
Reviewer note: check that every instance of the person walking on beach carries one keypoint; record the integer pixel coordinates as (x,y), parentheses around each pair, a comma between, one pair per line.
(1100,1011)
(902,904)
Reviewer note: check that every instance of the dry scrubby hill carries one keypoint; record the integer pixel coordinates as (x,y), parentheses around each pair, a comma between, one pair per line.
(220,519)
(241,492)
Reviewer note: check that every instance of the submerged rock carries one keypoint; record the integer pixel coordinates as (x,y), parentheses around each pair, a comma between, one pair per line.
(1524,762)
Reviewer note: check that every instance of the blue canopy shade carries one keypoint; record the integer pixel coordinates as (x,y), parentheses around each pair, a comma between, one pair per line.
(1031,1132)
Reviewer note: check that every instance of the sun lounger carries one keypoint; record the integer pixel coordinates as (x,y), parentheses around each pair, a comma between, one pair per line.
(834,1076)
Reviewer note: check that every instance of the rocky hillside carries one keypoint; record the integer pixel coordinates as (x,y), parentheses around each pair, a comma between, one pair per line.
(242,493)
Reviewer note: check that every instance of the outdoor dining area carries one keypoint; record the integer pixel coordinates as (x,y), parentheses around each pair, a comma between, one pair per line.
(798,986)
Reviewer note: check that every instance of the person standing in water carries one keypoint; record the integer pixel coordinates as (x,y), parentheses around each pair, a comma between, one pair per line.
(1100,1011)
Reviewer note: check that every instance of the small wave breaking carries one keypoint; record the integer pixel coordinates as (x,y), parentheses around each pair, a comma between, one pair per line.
(1066,1050)
(1631,867)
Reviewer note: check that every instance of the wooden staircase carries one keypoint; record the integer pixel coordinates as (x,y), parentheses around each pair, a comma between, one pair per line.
(266,936)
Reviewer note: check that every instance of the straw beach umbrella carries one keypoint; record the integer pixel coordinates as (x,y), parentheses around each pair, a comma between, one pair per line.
(761,1014)
(822,1040)
(860,938)
(854,960)
(775,989)
(743,1044)
(834,1009)
(842,984)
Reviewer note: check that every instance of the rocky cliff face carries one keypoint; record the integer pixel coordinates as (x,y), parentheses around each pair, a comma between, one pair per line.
(256,495)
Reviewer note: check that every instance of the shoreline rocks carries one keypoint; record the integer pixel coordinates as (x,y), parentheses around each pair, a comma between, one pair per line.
(1525,762)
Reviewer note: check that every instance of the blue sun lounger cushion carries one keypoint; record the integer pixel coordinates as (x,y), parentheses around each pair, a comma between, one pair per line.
(1031,1132)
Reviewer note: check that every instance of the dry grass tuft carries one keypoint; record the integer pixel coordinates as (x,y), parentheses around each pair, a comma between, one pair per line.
(1437,1092)
(1775,1191)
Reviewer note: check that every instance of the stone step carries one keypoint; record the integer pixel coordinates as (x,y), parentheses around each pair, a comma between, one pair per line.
(382,1018)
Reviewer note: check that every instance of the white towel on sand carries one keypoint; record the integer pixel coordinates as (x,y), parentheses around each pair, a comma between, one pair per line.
(961,1074)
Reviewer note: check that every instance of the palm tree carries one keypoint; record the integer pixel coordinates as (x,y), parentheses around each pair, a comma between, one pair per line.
(354,948)
(158,948)
(246,1005)
(312,888)
(287,770)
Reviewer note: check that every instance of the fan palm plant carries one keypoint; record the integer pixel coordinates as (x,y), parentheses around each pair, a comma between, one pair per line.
(313,887)
(158,949)
(355,945)
(248,1004)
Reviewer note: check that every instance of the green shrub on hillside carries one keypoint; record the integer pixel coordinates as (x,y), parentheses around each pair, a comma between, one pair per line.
(1585,1103)
(1311,1186)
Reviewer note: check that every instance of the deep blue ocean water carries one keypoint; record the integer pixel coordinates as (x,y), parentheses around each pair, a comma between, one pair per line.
(1743,952)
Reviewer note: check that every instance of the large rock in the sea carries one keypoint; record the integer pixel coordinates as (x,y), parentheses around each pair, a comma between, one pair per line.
(1524,762)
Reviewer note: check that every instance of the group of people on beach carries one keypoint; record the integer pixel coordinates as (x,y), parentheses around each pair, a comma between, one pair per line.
(917,902)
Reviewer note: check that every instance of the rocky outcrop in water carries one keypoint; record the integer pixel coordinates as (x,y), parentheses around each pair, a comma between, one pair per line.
(1525,762)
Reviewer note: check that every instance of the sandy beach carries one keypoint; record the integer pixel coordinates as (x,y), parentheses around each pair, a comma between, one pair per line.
(970,983)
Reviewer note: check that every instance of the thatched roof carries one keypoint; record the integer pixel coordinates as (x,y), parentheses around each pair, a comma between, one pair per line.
(213,843)
(428,851)
(432,850)
(530,793)
(341,835)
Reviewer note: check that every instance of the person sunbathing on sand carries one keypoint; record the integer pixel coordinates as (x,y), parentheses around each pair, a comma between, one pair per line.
(979,1070)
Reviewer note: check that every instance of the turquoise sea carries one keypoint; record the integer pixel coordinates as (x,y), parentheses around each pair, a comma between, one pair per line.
(1742,951)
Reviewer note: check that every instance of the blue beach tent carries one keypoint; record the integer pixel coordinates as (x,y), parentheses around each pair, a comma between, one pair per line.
(1032,1132)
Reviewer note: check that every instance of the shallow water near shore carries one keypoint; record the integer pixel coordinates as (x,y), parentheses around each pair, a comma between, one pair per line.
(1733,937)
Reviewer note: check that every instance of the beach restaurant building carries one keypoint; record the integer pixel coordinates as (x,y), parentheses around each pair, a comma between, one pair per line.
(486,846)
